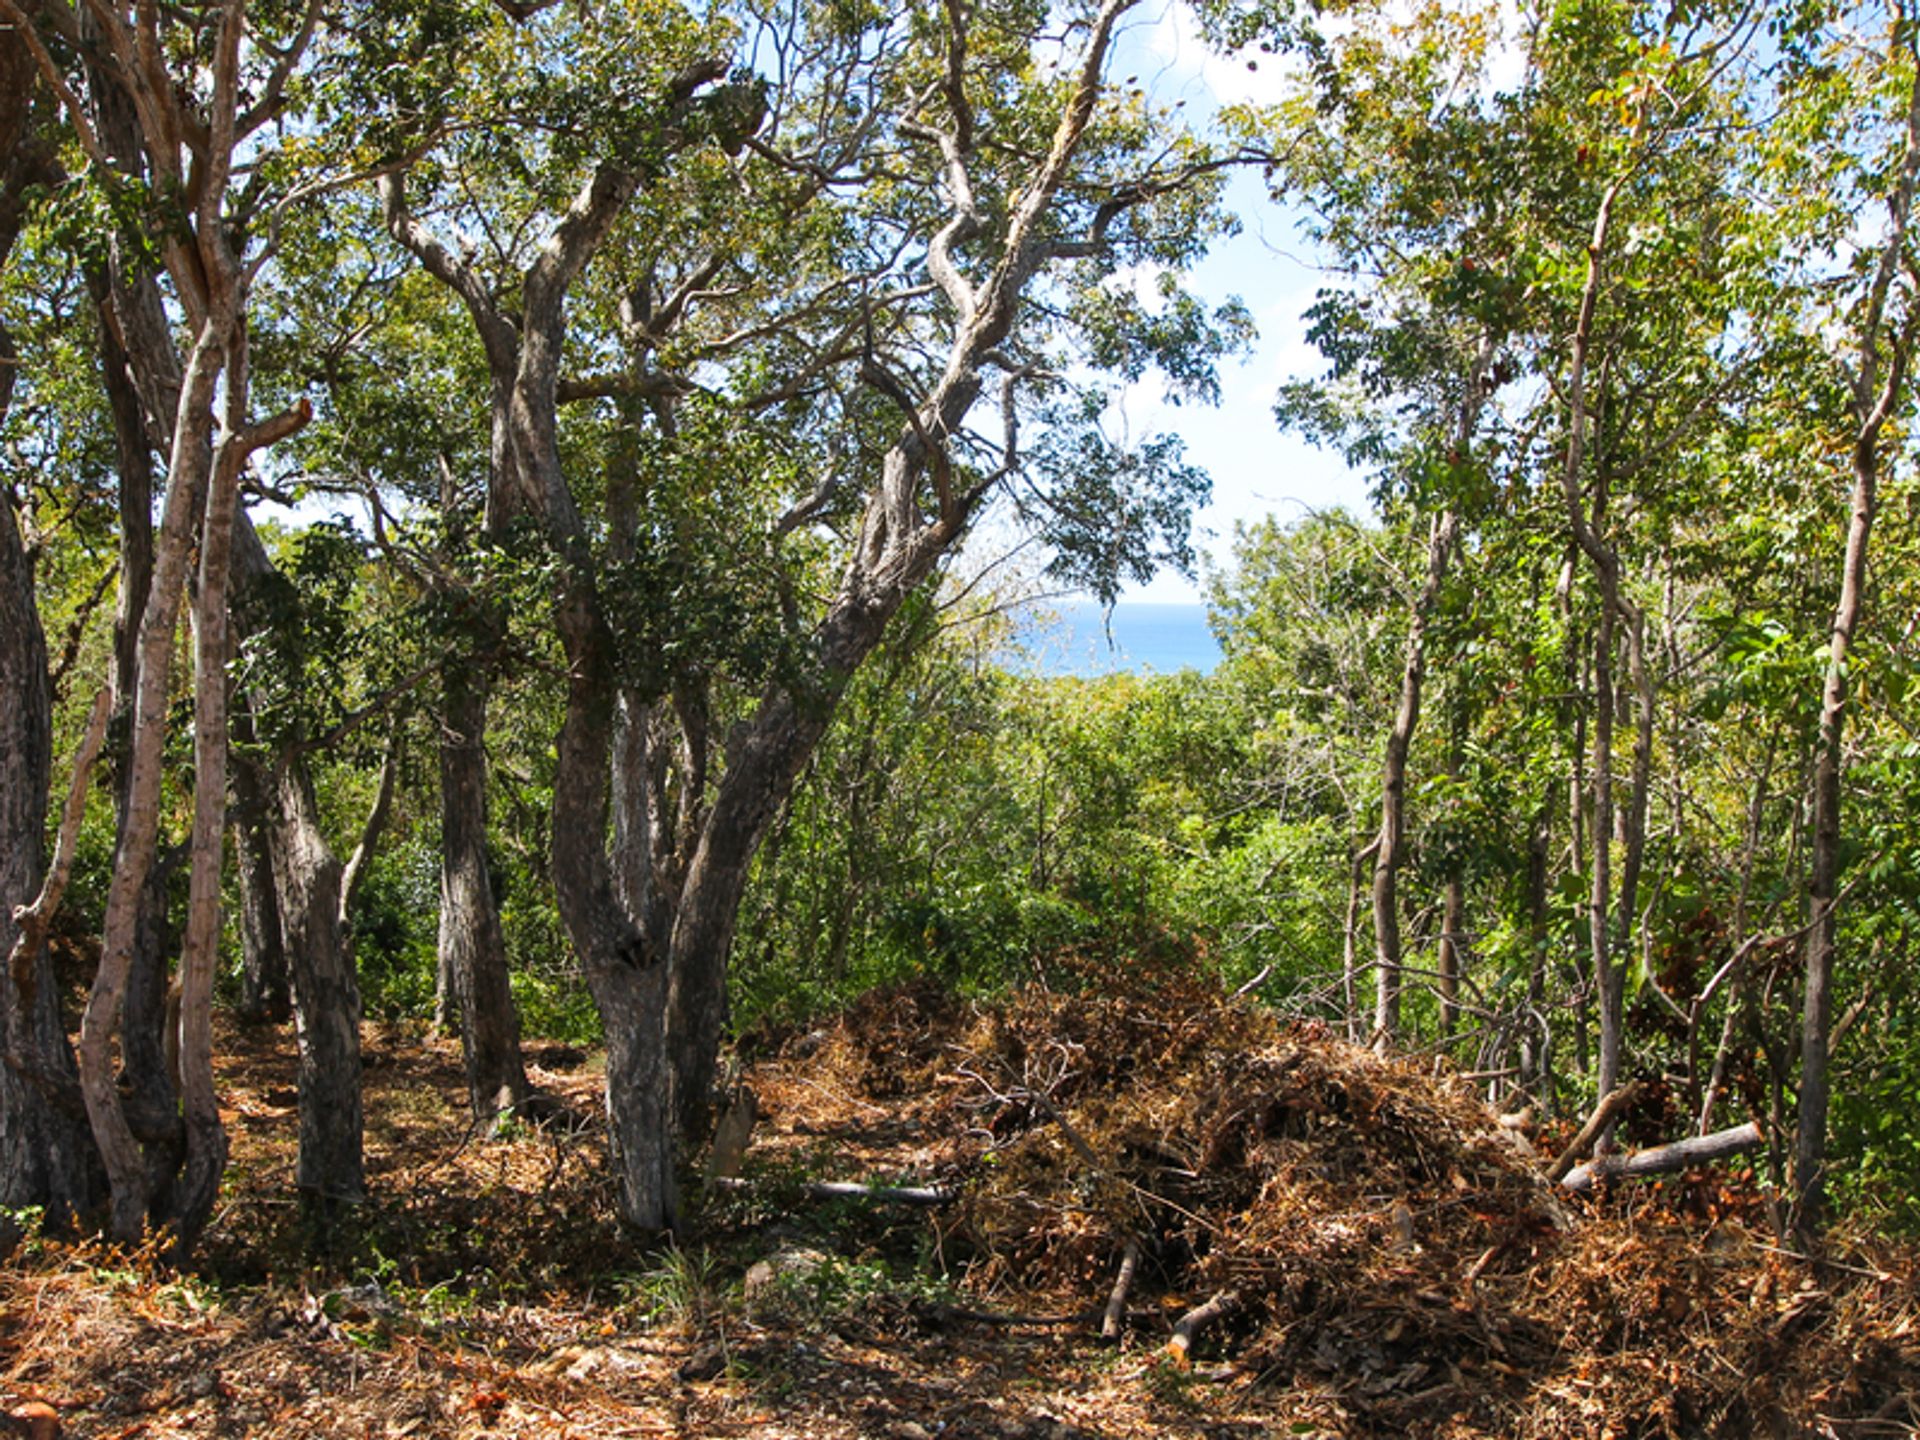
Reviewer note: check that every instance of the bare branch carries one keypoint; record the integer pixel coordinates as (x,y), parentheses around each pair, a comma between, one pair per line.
(356,870)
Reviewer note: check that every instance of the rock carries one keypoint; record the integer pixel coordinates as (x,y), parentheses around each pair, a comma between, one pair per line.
(764,1278)
(704,1364)
(202,1386)
(909,1430)
(360,1303)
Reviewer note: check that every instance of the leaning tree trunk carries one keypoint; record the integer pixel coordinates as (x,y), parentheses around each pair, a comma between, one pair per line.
(760,772)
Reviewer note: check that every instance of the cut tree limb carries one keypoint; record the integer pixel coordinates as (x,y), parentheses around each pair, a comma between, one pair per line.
(1115,1320)
(1603,1115)
(1188,1327)
(1666,1159)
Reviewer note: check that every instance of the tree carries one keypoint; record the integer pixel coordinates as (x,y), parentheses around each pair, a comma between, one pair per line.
(1876,376)
(656,959)
(184,162)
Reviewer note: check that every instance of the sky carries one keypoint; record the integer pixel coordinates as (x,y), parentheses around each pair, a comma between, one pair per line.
(1256,470)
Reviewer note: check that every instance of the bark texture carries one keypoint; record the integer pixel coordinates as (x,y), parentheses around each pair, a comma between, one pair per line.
(46,1154)
(472,949)
(265,996)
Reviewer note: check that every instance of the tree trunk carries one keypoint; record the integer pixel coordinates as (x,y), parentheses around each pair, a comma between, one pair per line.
(308,899)
(144,1047)
(1879,388)
(761,768)
(1607,985)
(1633,824)
(473,951)
(326,994)
(265,998)
(47,1157)
(633,1006)
(147,1080)
(1393,789)
(1810,1143)
(192,459)
(1454,922)
(206,1138)
(1350,943)
(1536,1051)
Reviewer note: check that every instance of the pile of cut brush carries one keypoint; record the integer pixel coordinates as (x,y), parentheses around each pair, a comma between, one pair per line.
(1307,1216)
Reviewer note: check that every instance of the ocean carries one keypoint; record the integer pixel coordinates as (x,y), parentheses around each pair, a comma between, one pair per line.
(1082,639)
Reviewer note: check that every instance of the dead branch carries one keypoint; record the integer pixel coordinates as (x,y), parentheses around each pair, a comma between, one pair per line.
(1188,1327)
(1667,1159)
(926,1196)
(1115,1320)
(1604,1114)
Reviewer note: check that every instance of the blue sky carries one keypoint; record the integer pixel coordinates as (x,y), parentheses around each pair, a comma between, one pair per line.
(1257,470)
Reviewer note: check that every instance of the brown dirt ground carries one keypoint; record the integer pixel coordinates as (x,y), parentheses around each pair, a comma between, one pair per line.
(1400,1269)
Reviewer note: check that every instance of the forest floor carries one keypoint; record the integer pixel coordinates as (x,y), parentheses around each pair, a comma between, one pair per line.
(1395,1262)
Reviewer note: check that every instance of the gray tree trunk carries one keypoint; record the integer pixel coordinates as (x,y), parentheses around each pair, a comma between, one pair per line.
(47,1158)
(147,1074)
(472,950)
(265,996)
(1393,789)
(326,995)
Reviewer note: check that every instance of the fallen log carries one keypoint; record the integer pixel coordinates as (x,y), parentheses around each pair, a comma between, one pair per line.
(1188,1327)
(928,1196)
(1603,1115)
(1115,1320)
(1666,1159)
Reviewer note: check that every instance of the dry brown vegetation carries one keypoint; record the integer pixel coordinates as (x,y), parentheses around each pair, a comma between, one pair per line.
(1397,1267)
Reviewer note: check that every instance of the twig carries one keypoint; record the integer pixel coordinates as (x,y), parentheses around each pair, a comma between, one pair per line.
(1253,984)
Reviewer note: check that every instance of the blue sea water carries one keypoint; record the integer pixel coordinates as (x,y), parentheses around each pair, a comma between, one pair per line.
(1081,638)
